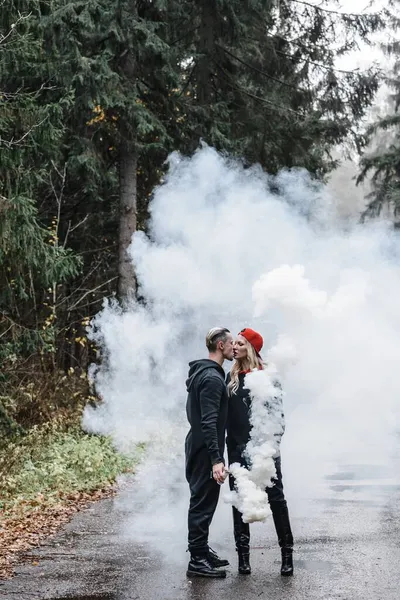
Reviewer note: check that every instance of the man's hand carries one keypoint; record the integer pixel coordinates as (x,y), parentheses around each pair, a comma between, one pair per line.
(219,472)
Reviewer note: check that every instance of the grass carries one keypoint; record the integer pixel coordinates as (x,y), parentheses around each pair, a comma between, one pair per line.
(49,463)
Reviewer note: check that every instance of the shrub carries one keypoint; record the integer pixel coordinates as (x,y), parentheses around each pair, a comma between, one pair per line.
(48,462)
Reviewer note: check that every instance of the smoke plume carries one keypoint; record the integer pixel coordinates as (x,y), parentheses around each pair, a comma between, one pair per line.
(266,419)
(235,247)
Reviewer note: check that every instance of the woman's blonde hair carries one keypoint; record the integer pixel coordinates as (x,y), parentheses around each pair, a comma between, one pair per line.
(252,361)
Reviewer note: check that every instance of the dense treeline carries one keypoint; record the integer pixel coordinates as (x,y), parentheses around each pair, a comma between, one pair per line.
(94,94)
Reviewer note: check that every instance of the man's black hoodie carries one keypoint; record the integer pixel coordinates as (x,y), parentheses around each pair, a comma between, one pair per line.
(207,412)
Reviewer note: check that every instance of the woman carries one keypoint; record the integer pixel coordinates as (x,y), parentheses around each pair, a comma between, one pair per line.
(247,358)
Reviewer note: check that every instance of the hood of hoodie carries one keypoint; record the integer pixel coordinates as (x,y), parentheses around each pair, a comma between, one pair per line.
(198,366)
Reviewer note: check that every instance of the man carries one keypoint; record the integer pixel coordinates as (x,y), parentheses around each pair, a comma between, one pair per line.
(207,411)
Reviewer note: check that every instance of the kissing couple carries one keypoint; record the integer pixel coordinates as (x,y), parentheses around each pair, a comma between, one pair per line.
(219,407)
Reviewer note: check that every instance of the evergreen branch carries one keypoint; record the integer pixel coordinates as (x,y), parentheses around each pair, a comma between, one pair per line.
(305,48)
(265,101)
(254,97)
(189,79)
(331,10)
(384,124)
(275,79)
(307,60)
(185,35)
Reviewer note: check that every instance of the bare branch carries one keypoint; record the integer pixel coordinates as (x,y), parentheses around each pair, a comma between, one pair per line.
(11,95)
(21,18)
(71,229)
(91,292)
(12,142)
(6,331)
(80,287)
(79,224)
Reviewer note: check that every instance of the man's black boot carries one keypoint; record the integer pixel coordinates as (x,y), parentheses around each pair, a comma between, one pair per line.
(244,561)
(215,560)
(280,515)
(200,566)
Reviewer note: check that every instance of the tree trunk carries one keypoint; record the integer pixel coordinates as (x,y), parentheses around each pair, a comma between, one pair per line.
(206,47)
(127,221)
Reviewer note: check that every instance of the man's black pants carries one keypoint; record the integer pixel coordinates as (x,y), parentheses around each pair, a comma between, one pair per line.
(204,494)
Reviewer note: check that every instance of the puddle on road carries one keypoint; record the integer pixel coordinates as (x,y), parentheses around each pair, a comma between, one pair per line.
(373,474)
(315,566)
(354,472)
(383,488)
(335,502)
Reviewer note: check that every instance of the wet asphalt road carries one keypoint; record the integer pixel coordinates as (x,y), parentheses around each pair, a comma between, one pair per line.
(347,548)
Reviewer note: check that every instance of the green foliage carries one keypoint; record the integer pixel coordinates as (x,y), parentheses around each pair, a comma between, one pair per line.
(28,249)
(33,262)
(43,450)
(50,462)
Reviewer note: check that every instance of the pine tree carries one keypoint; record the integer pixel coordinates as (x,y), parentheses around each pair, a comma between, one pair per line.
(381,162)
(113,58)
(32,262)
(96,93)
(260,80)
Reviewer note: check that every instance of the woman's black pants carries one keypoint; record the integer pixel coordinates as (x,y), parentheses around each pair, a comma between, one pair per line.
(280,515)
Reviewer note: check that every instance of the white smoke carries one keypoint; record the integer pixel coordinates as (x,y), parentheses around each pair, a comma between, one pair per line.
(286,286)
(283,354)
(250,497)
(216,229)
